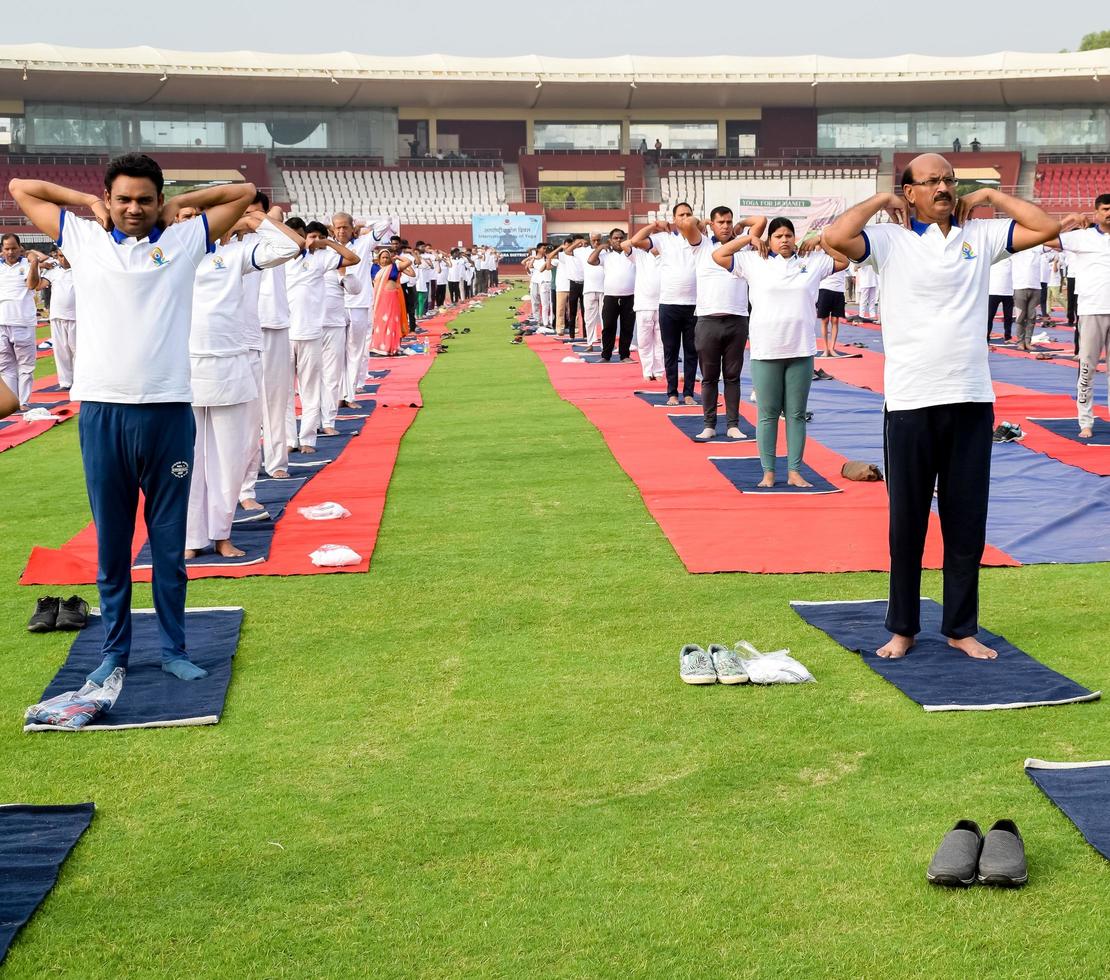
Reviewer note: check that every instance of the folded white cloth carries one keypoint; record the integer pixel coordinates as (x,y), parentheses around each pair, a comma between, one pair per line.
(327,511)
(1041,338)
(573,360)
(777,667)
(335,556)
(39,415)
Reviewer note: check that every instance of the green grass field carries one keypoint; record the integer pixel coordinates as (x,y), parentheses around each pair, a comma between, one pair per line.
(478,759)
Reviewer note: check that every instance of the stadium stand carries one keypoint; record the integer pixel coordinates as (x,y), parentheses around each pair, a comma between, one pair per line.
(1071,186)
(416,196)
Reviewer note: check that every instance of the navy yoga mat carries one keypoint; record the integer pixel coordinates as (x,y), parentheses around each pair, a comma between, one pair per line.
(932,673)
(659,400)
(745,473)
(691,424)
(34,843)
(1069,429)
(151,698)
(1082,791)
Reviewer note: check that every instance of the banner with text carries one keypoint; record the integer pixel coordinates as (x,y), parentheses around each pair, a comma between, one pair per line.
(513,235)
(807,213)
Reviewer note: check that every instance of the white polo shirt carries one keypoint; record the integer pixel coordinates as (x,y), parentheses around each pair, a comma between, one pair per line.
(561,262)
(336,289)
(364,247)
(719,292)
(784,301)
(1026,268)
(17,302)
(934,296)
(593,276)
(304,285)
(1001,281)
(573,261)
(678,277)
(835,282)
(136,309)
(63,297)
(263,249)
(646,297)
(620,273)
(1091,246)
(273,300)
(538,271)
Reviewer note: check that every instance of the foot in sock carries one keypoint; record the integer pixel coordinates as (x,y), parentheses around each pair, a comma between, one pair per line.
(183,669)
(107,665)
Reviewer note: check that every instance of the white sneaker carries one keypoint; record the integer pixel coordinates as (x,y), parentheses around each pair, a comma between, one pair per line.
(728,666)
(695,665)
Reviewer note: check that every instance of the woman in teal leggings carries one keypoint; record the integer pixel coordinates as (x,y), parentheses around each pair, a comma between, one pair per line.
(783,285)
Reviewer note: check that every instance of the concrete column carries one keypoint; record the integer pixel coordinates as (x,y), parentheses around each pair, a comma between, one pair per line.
(626,137)
(433,135)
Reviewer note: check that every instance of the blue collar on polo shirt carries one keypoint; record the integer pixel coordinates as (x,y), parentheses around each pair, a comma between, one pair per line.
(120,237)
(921,227)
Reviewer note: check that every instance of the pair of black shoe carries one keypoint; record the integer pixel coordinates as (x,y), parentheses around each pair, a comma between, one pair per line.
(966,856)
(52,613)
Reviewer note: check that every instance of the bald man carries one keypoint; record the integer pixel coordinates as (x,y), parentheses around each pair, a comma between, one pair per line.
(934,265)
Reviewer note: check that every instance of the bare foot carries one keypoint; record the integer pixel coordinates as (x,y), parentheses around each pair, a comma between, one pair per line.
(228,550)
(973,648)
(280,474)
(25,408)
(308,450)
(354,405)
(330,431)
(896,647)
(190,553)
(706,433)
(795,479)
(735,433)
(251,504)
(689,400)
(767,481)
(1086,433)
(673,400)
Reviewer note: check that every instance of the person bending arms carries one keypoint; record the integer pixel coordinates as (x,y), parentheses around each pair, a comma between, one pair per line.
(19,278)
(783,284)
(134,270)
(934,272)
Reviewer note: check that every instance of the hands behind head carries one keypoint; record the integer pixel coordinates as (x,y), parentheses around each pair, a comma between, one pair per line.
(811,244)
(897,209)
(1075,220)
(101,215)
(760,246)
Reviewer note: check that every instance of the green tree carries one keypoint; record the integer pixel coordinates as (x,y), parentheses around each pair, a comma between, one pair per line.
(1095,40)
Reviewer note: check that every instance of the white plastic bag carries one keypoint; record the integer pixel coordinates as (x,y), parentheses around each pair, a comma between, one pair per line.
(573,360)
(73,710)
(327,511)
(334,556)
(777,667)
(39,415)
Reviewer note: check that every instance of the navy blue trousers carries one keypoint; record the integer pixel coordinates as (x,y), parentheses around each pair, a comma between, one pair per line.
(125,449)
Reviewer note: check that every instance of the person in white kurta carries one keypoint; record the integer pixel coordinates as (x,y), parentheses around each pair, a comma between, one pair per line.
(63,318)
(19,277)
(223,381)
(645,302)
(304,281)
(338,286)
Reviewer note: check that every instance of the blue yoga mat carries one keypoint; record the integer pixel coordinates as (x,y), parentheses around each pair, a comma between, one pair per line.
(932,673)
(745,473)
(34,843)
(659,400)
(691,424)
(378,374)
(151,698)
(1069,429)
(1082,791)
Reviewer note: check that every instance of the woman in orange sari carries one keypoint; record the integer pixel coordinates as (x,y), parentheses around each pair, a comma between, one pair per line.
(389,319)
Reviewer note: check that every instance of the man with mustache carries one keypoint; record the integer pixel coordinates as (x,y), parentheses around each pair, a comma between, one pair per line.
(934,272)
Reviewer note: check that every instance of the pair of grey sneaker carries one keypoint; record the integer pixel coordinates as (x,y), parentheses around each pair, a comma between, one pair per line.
(718,664)
(966,856)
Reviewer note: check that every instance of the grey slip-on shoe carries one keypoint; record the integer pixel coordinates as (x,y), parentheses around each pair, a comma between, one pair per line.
(1002,861)
(956,860)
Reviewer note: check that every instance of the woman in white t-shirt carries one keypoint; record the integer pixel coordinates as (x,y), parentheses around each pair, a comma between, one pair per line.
(783,287)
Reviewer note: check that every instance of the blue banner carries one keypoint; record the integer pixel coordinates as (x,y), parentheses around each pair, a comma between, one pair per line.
(513,235)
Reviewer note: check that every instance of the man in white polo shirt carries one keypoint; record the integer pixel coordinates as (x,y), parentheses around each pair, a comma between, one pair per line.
(619,287)
(721,332)
(63,318)
(1091,245)
(593,291)
(134,270)
(678,296)
(19,277)
(645,301)
(934,272)
(304,284)
(362,240)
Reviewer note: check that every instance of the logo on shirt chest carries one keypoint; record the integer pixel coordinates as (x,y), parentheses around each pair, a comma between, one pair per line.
(967,252)
(158,257)
(218,263)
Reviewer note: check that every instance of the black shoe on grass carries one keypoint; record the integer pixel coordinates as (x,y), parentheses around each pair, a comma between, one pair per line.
(1002,861)
(45,618)
(73,614)
(956,861)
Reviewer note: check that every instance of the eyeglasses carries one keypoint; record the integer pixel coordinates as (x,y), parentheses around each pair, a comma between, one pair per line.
(933,182)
